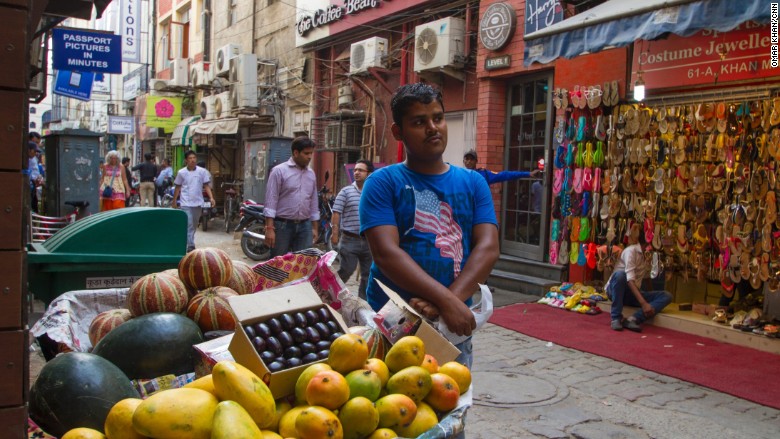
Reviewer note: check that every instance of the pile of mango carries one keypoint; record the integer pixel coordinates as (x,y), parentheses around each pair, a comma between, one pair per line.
(350,396)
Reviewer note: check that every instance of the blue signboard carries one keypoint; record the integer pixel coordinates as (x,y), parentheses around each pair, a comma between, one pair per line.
(85,51)
(77,85)
(542,13)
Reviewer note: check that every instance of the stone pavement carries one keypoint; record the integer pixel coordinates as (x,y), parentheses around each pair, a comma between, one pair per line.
(528,388)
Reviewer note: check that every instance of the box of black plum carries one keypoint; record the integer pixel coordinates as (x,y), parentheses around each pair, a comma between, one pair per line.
(281,332)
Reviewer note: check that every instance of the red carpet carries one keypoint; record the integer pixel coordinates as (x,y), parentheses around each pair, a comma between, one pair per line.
(743,372)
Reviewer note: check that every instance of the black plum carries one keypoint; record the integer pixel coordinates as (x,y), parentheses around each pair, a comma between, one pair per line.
(322,345)
(333,326)
(300,319)
(310,357)
(294,362)
(287,321)
(259,343)
(285,338)
(307,348)
(274,345)
(322,328)
(267,356)
(250,331)
(275,325)
(335,335)
(324,314)
(323,354)
(312,335)
(311,317)
(298,335)
(262,330)
(292,352)
(275,366)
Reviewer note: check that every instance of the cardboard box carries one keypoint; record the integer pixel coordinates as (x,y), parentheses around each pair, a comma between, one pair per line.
(261,306)
(397,319)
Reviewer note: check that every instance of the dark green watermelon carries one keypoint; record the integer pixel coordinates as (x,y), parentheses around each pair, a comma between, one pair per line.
(152,345)
(77,389)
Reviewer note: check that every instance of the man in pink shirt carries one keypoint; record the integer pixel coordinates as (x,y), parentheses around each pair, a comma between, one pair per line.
(291,209)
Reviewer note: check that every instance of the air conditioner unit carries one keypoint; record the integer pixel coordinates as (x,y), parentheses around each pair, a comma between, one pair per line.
(243,81)
(439,43)
(224,55)
(222,105)
(158,84)
(367,53)
(344,135)
(180,70)
(38,83)
(207,107)
(200,74)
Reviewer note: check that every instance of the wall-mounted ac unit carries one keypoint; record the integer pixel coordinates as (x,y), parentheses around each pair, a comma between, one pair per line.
(222,106)
(439,43)
(344,135)
(367,53)
(158,84)
(207,107)
(200,74)
(243,81)
(222,60)
(180,70)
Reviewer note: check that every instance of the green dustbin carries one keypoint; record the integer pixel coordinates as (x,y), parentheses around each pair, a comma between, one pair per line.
(107,250)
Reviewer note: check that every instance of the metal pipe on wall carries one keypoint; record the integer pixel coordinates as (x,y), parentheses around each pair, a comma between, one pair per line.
(404,79)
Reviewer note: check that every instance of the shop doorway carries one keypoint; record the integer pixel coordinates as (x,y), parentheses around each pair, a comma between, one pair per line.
(524,205)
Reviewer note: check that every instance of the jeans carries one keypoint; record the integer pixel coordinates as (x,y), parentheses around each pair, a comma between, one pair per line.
(193,218)
(353,250)
(620,294)
(466,356)
(291,237)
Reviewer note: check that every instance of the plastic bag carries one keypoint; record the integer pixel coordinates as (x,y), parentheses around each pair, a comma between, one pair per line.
(482,311)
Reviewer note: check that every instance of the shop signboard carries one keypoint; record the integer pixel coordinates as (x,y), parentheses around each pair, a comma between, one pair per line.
(134,83)
(497,25)
(706,57)
(131,30)
(498,62)
(120,125)
(163,112)
(86,51)
(76,85)
(540,14)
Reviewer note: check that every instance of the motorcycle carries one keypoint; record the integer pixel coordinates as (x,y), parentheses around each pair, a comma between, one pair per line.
(135,197)
(207,213)
(165,193)
(252,223)
(325,201)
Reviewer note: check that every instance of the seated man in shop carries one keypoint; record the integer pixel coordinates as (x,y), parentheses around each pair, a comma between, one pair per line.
(624,286)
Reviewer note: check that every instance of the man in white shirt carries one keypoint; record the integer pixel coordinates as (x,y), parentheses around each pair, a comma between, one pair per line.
(623,287)
(190,183)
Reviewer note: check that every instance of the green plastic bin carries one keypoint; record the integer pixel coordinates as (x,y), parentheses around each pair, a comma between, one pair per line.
(107,250)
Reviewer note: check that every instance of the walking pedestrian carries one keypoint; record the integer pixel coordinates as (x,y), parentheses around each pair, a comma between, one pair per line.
(190,182)
(291,209)
(148,171)
(34,174)
(353,248)
(115,177)
(431,227)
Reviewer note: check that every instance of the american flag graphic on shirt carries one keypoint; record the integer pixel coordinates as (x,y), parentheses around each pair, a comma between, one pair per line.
(434,216)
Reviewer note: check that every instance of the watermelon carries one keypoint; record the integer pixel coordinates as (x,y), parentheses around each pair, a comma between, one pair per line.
(104,322)
(157,292)
(152,345)
(205,267)
(77,389)
(211,311)
(377,346)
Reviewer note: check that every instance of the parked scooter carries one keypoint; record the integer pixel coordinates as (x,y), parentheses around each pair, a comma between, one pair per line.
(135,197)
(252,223)
(165,193)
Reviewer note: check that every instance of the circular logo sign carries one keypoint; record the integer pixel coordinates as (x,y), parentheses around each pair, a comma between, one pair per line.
(497,26)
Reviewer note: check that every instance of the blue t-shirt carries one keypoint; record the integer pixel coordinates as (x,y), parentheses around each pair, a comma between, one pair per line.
(434,214)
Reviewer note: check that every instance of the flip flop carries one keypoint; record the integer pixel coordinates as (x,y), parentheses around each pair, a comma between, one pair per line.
(575,96)
(584,229)
(594,93)
(574,252)
(597,180)
(563,253)
(582,259)
(577,183)
(574,235)
(553,252)
(598,156)
(587,179)
(591,255)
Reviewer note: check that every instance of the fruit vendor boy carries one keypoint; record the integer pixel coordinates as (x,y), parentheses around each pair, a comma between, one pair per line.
(431,227)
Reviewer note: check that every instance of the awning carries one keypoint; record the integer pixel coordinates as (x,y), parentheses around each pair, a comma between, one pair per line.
(217,126)
(618,23)
(182,134)
(76,8)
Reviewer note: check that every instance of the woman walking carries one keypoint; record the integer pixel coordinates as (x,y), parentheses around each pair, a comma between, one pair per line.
(113,183)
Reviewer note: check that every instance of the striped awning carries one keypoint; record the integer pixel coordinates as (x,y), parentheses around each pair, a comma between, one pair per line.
(182,134)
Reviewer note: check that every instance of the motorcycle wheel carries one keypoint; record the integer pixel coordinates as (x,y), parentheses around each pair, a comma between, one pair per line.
(253,248)
(204,222)
(134,200)
(166,201)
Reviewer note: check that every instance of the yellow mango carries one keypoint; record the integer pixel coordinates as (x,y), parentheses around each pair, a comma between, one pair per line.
(424,420)
(235,382)
(231,421)
(176,414)
(408,351)
(83,433)
(203,383)
(119,422)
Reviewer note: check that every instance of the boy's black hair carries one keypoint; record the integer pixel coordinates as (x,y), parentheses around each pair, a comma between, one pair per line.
(300,143)
(148,156)
(408,94)
(188,153)
(125,160)
(368,163)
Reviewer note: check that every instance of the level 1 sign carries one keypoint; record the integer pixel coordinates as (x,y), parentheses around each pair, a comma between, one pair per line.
(86,51)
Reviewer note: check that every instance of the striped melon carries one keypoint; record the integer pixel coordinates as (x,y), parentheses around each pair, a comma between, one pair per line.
(156,293)
(211,311)
(205,267)
(104,322)
(244,279)
(377,346)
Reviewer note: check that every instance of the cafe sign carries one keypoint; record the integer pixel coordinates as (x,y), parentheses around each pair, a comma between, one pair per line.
(497,26)
(706,57)
(321,17)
